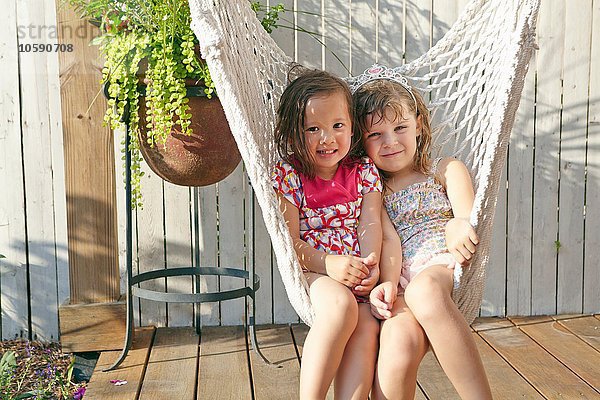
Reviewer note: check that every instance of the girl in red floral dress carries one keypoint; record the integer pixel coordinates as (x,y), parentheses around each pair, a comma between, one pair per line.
(332,203)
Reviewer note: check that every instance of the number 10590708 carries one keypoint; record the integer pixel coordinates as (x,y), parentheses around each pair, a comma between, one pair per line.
(45,47)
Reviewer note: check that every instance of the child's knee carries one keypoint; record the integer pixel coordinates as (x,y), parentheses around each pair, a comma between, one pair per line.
(337,305)
(408,339)
(402,351)
(426,295)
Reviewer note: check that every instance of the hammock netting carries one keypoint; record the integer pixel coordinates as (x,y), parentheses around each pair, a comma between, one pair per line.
(473,78)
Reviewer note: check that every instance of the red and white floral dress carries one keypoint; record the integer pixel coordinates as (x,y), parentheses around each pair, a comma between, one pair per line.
(329,209)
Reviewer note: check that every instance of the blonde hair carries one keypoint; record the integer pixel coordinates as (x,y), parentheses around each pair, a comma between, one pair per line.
(382,96)
(289,131)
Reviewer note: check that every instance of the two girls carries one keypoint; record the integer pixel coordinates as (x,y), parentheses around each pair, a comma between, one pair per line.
(332,206)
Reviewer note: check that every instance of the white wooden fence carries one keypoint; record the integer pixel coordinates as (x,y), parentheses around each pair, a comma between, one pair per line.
(546,247)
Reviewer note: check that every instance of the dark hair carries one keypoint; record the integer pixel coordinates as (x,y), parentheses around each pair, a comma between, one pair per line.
(382,96)
(289,131)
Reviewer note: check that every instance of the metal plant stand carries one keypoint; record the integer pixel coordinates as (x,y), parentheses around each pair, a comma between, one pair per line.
(250,279)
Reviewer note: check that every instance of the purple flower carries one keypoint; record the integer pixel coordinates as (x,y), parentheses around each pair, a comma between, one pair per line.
(78,395)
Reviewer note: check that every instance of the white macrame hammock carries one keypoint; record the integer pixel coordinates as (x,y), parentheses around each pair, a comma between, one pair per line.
(473,78)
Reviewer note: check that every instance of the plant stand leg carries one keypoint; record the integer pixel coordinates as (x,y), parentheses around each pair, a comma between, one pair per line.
(129,254)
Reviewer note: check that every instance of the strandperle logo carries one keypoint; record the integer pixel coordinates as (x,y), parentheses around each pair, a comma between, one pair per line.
(41,32)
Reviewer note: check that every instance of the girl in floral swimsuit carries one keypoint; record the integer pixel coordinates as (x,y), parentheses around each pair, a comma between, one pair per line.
(426,233)
(332,206)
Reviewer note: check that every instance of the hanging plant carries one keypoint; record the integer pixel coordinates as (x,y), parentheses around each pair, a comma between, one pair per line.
(151,43)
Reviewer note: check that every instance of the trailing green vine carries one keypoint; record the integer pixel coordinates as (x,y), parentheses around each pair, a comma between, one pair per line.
(152,39)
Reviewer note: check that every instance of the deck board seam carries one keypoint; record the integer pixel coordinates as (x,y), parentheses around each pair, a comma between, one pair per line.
(512,366)
(250,372)
(578,337)
(559,360)
(145,367)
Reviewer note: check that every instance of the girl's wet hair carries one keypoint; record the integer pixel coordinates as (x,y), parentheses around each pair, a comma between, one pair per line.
(289,131)
(384,98)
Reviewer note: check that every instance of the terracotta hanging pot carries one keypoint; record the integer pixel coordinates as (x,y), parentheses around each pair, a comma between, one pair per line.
(205,157)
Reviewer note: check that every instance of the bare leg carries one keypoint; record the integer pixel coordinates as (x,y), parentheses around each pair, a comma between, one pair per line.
(336,316)
(428,296)
(355,374)
(402,346)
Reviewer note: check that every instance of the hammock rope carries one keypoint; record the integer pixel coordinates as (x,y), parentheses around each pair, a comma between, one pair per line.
(473,78)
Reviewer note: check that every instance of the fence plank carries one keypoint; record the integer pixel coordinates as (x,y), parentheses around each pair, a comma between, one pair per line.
(310,19)
(91,196)
(494,295)
(520,180)
(545,195)
(418,28)
(15,301)
(13,280)
(259,254)
(285,35)
(337,36)
(591,269)
(150,244)
(178,231)
(282,311)
(210,312)
(118,145)
(58,161)
(578,31)
(444,14)
(39,186)
(231,241)
(362,35)
(390,33)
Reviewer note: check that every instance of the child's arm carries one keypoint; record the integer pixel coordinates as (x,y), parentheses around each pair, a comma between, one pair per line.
(383,296)
(461,238)
(348,270)
(369,239)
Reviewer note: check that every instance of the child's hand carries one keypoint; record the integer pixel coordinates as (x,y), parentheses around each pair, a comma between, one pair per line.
(382,299)
(370,281)
(461,240)
(348,270)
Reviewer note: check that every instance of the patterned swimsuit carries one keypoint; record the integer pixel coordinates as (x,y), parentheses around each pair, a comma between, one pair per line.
(420,213)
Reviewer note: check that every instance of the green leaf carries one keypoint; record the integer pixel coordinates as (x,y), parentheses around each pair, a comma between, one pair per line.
(9,360)
(25,395)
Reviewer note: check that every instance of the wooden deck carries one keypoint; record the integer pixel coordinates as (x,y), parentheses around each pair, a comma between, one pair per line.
(550,357)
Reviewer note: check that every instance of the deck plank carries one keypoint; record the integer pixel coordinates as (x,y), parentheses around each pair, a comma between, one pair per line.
(485,323)
(518,321)
(536,365)
(171,370)
(131,370)
(282,380)
(577,355)
(223,368)
(587,329)
(504,381)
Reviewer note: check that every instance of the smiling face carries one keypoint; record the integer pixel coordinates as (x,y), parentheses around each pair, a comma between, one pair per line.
(391,141)
(328,131)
